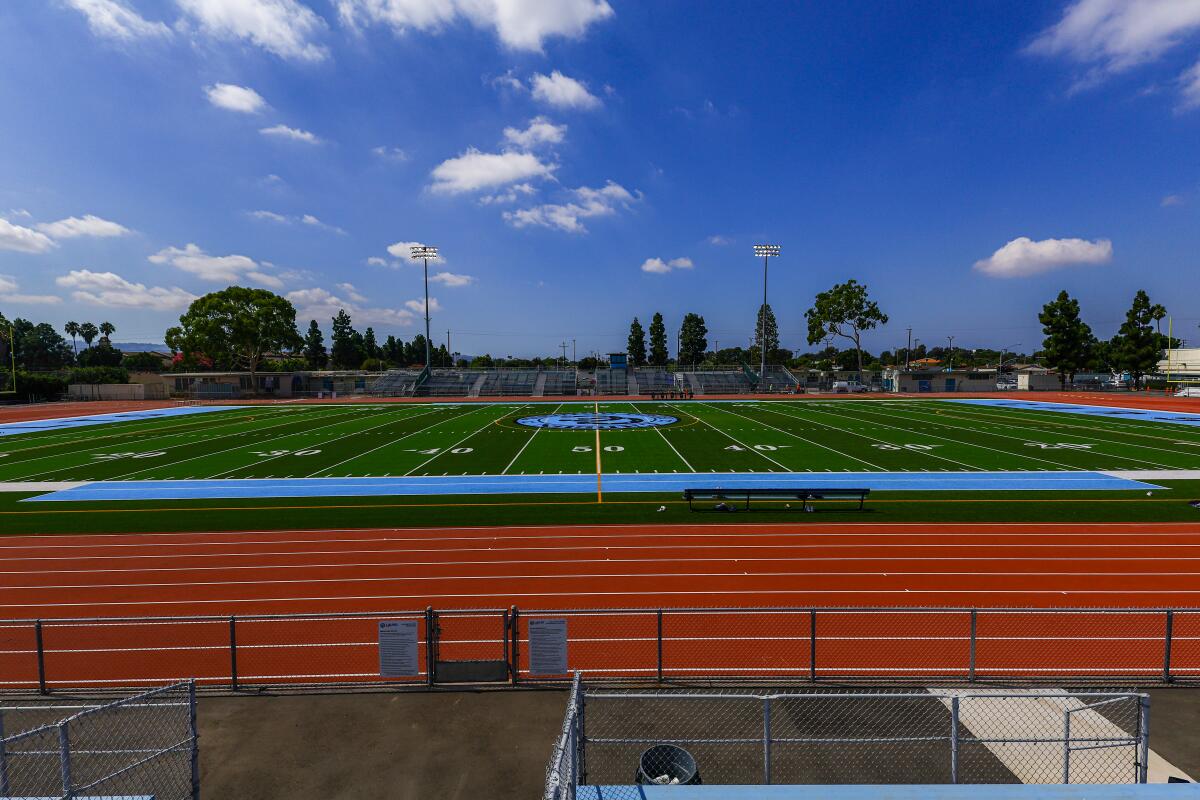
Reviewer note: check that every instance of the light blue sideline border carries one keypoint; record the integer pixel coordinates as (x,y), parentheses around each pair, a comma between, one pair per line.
(1137,414)
(66,423)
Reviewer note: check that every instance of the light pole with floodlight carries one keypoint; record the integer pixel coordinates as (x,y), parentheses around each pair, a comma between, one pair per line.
(424,252)
(766,251)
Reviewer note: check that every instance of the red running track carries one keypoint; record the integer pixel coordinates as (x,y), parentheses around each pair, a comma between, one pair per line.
(1128,566)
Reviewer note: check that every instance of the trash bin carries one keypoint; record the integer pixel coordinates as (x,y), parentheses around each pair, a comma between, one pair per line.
(667,764)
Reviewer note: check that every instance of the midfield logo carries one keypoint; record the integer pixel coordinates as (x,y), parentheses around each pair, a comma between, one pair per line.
(592,421)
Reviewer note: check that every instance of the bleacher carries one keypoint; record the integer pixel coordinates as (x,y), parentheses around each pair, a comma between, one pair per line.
(611,381)
(449,383)
(651,379)
(777,379)
(723,382)
(559,382)
(509,383)
(395,383)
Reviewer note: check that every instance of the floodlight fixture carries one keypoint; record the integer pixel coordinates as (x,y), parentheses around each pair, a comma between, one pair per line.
(767,251)
(424,252)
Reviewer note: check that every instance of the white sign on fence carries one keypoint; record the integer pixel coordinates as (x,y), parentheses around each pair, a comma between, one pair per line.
(547,646)
(398,648)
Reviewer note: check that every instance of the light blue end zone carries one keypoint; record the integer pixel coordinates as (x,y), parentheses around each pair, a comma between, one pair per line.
(673,482)
(66,423)
(1136,414)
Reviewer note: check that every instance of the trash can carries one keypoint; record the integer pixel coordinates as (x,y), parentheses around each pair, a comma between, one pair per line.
(667,764)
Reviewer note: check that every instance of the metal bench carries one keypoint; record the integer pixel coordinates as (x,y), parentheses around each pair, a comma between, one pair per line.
(805,496)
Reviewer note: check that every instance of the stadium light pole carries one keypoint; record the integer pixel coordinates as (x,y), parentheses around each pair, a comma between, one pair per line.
(766,251)
(424,252)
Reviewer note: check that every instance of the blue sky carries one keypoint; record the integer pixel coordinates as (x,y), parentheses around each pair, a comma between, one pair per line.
(580,162)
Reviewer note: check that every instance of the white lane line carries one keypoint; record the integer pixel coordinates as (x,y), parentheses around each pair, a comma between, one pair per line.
(527,443)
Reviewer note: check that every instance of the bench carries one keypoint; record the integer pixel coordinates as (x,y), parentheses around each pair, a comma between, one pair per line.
(804,496)
(670,394)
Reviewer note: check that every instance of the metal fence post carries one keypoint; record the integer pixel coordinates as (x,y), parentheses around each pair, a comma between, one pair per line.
(767,741)
(64,758)
(516,645)
(41,656)
(233,669)
(430,646)
(660,645)
(4,792)
(974,639)
(580,719)
(195,740)
(812,645)
(954,739)
(1144,736)
(1167,639)
(1067,746)
(507,637)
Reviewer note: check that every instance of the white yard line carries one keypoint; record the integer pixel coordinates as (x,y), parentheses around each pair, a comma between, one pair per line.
(527,443)
(389,443)
(445,450)
(658,430)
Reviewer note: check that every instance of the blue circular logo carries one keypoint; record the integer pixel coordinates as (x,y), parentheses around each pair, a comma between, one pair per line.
(592,421)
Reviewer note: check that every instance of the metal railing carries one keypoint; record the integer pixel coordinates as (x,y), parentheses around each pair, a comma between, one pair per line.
(144,746)
(820,737)
(652,645)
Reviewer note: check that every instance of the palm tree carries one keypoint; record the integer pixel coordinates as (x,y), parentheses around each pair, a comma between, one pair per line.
(107,329)
(72,329)
(88,332)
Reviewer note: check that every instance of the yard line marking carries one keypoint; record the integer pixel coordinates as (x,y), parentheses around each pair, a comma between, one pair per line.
(668,441)
(504,412)
(730,436)
(527,442)
(387,443)
(801,438)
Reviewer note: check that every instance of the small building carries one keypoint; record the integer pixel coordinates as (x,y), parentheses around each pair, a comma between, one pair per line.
(922,381)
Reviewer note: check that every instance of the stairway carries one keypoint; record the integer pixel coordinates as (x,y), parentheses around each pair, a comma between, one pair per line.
(477,385)
(539,386)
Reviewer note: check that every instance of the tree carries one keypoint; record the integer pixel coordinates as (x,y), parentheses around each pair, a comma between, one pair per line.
(772,330)
(142,362)
(39,347)
(88,331)
(102,355)
(693,339)
(72,330)
(636,345)
(344,353)
(315,355)
(1068,338)
(107,329)
(370,346)
(658,341)
(236,326)
(1136,343)
(844,311)
(393,351)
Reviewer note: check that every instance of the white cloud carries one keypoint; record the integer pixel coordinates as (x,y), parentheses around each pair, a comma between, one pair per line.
(218,269)
(508,80)
(403,251)
(560,91)
(9,294)
(87,225)
(539,131)
(658,266)
(22,239)
(451,280)
(313,222)
(520,24)
(1191,87)
(20,212)
(390,153)
(111,290)
(303,219)
(418,306)
(509,195)
(352,292)
(295,134)
(283,27)
(588,203)
(268,216)
(719,241)
(112,19)
(376,261)
(242,99)
(473,171)
(1023,256)
(316,303)
(1172,200)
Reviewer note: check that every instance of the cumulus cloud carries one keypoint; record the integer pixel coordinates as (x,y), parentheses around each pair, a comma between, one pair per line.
(316,303)
(474,171)
(560,91)
(113,19)
(217,269)
(9,293)
(22,239)
(286,28)
(418,306)
(293,134)
(586,203)
(539,131)
(376,261)
(111,290)
(403,251)
(303,219)
(87,225)
(352,292)
(451,280)
(519,24)
(230,97)
(1023,256)
(509,195)
(659,267)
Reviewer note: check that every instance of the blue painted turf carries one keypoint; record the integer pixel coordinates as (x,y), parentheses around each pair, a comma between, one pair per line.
(66,423)
(1137,414)
(586,484)
(877,792)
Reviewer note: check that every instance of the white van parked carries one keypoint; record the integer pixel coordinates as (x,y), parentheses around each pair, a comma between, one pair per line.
(848,387)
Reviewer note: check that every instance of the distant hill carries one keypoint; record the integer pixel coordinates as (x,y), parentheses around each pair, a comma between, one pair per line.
(140,347)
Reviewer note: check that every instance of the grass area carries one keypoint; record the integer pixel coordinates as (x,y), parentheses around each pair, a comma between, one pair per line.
(486,439)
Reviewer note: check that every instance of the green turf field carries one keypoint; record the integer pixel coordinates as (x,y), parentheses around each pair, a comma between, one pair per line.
(484,439)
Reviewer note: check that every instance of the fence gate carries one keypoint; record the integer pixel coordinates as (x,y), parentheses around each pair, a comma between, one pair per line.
(469,646)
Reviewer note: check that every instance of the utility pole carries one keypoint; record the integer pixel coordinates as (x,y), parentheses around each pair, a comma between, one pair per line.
(951,338)
(574,360)
(908,349)
(449,352)
(564,349)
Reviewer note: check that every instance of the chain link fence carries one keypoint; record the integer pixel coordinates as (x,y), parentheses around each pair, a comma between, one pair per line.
(652,645)
(622,738)
(138,747)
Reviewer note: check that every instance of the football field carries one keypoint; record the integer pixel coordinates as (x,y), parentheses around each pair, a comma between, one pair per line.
(617,438)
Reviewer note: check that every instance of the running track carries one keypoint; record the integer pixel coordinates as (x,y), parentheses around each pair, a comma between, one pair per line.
(608,567)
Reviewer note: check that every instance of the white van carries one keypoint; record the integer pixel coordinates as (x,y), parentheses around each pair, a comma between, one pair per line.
(848,387)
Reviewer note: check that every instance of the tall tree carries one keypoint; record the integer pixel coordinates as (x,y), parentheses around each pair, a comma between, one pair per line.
(416,353)
(72,330)
(370,346)
(39,347)
(88,332)
(236,326)
(658,341)
(845,311)
(1136,344)
(344,353)
(636,344)
(693,339)
(772,331)
(393,351)
(314,347)
(107,329)
(1066,348)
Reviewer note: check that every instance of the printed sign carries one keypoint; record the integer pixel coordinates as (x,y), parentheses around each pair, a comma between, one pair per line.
(398,648)
(548,646)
